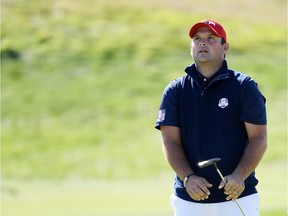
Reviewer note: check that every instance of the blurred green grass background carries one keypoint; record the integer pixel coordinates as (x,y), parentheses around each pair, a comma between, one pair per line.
(81,85)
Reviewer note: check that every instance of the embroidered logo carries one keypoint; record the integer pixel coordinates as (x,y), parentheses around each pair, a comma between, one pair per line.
(161,115)
(211,23)
(223,102)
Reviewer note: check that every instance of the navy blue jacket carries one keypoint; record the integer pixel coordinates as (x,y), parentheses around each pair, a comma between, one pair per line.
(211,118)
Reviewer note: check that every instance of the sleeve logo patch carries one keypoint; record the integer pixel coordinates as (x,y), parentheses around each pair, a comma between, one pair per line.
(223,102)
(161,115)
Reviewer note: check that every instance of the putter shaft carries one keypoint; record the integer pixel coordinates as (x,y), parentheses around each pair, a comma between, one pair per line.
(220,174)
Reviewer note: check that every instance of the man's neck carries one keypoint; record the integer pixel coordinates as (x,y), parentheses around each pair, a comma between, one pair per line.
(208,69)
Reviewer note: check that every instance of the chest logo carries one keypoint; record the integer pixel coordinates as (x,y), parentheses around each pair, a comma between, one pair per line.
(223,102)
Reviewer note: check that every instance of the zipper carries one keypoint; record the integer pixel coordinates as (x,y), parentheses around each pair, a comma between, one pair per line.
(216,79)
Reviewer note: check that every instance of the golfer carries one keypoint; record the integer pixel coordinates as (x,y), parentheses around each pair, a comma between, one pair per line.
(213,112)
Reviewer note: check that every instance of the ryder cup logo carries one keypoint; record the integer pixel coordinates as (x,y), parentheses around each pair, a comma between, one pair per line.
(223,103)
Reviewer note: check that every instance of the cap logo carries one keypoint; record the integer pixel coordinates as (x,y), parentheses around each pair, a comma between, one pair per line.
(211,23)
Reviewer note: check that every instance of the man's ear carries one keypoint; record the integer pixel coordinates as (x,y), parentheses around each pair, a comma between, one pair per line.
(226,47)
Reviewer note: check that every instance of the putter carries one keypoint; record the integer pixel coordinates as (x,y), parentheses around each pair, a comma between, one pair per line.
(214,161)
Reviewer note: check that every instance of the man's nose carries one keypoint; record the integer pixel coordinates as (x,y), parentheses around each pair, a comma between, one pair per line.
(202,43)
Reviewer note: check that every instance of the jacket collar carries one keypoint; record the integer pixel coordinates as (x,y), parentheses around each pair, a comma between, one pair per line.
(196,75)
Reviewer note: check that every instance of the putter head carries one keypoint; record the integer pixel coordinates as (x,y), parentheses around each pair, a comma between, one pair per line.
(209,162)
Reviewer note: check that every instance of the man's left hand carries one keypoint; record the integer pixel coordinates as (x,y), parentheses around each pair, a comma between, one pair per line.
(234,186)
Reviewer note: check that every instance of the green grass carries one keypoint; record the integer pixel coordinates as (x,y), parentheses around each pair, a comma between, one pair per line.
(90,198)
(81,85)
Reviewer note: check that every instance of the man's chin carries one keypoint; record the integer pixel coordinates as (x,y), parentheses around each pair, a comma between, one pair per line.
(201,60)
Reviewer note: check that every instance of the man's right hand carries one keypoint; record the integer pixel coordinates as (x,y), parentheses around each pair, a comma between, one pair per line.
(197,188)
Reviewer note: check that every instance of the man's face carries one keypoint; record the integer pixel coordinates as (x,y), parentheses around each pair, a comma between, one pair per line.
(206,46)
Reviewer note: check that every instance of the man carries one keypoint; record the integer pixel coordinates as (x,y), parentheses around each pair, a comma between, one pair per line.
(213,111)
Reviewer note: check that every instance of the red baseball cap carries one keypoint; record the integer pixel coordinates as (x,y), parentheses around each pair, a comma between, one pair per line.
(214,26)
